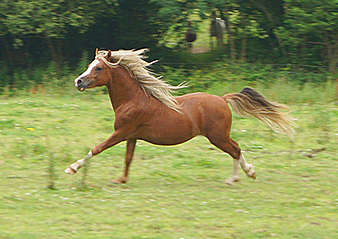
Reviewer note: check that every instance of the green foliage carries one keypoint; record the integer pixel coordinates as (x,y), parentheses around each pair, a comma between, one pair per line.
(311,23)
(36,34)
(220,76)
(52,19)
(138,24)
(245,25)
(197,70)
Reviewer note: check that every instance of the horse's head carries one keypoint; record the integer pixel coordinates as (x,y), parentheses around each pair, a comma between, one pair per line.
(97,73)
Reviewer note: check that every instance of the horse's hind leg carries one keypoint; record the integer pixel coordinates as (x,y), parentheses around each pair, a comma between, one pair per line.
(231,147)
(247,168)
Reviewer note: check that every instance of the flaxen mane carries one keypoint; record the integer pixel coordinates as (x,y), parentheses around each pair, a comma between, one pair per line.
(133,61)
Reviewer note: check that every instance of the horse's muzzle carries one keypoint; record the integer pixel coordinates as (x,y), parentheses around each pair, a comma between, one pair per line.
(82,84)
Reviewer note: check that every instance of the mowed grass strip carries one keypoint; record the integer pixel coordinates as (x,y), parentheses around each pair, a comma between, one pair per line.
(173,192)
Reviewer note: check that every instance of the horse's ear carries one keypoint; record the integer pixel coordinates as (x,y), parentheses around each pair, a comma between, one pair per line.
(96,51)
(108,54)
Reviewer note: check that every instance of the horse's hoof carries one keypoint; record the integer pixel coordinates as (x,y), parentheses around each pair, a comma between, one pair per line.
(232,180)
(229,181)
(70,171)
(119,181)
(251,172)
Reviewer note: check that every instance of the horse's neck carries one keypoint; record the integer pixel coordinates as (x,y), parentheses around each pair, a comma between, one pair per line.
(122,88)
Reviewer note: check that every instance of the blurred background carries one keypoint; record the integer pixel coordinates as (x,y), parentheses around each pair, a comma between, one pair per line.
(39,36)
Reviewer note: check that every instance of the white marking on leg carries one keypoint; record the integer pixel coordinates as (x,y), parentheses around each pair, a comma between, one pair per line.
(78,164)
(243,163)
(89,155)
(247,168)
(81,162)
(236,169)
(235,176)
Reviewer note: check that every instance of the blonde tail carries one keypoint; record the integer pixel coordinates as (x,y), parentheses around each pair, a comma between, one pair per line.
(250,102)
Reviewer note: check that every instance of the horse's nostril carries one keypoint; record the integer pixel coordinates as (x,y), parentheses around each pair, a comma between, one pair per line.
(79,81)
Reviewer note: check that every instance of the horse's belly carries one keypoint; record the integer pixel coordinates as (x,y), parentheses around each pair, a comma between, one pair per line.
(166,141)
(169,131)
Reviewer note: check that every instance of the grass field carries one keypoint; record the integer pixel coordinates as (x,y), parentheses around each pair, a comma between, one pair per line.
(174,192)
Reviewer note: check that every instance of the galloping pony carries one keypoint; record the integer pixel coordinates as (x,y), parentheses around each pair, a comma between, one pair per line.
(145,109)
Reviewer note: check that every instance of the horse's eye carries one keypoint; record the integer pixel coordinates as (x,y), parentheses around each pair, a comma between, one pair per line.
(99,68)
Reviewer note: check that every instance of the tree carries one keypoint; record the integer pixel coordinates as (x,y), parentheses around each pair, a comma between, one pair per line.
(243,19)
(137,25)
(174,19)
(48,20)
(244,27)
(312,23)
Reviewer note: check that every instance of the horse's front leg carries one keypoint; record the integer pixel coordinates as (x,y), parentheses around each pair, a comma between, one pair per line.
(116,138)
(129,157)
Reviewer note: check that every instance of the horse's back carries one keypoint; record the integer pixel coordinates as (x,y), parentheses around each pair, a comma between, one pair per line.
(202,100)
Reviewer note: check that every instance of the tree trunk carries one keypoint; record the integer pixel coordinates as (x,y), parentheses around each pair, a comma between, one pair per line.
(332,56)
(271,23)
(244,47)
(232,46)
(336,98)
(54,53)
(8,54)
(227,27)
(59,44)
(231,35)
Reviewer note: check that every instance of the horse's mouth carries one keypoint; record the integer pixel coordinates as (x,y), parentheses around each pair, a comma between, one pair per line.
(83,87)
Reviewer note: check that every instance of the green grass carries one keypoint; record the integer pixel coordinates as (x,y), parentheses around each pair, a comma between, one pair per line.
(173,192)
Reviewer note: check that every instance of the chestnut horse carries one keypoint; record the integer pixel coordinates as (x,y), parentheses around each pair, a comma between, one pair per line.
(146,110)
